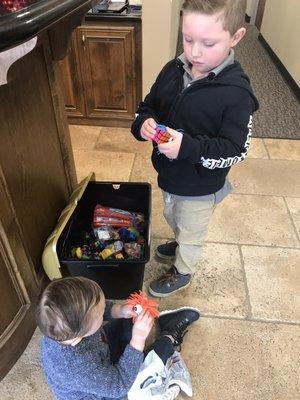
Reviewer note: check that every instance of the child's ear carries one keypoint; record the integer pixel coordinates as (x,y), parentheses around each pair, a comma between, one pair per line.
(239,34)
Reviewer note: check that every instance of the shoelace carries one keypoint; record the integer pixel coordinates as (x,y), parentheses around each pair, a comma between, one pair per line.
(181,330)
(168,277)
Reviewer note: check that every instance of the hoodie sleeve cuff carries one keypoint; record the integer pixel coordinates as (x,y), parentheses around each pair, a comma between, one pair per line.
(136,126)
(107,312)
(189,149)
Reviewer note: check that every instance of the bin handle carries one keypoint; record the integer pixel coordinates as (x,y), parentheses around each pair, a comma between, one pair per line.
(90,266)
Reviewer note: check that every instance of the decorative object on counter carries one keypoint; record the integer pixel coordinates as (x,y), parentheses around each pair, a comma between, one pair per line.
(162,135)
(110,6)
(140,302)
(102,5)
(135,3)
(10,6)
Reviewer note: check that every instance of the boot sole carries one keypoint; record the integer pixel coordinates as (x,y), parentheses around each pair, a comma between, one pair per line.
(166,312)
(157,294)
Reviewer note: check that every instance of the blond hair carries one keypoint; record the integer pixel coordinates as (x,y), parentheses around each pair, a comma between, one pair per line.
(233,11)
(63,309)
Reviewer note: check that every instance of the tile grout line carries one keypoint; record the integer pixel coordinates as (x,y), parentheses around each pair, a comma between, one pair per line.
(239,244)
(98,139)
(266,148)
(261,194)
(257,320)
(132,168)
(257,245)
(291,218)
(248,301)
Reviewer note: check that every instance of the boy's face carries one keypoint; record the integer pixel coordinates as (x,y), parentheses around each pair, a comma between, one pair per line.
(205,42)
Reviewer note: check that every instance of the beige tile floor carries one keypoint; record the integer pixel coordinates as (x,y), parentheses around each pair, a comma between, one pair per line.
(247,344)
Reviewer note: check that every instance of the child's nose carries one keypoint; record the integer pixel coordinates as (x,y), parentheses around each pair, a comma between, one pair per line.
(196,51)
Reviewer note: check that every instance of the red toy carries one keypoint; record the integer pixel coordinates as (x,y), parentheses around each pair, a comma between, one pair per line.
(108,216)
(140,302)
(162,135)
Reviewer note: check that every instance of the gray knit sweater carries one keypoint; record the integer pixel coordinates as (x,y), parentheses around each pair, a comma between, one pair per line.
(85,371)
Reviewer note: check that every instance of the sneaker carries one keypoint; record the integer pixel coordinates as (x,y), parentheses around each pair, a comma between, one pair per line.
(169,283)
(167,251)
(176,322)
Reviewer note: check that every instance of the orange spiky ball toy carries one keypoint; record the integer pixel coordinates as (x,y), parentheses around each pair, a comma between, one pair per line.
(140,302)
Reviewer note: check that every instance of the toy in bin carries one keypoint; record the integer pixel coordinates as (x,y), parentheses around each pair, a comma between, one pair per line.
(114,248)
(107,216)
(116,234)
(162,135)
(140,302)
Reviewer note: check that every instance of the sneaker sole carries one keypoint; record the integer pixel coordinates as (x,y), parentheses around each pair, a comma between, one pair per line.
(157,294)
(165,312)
(164,257)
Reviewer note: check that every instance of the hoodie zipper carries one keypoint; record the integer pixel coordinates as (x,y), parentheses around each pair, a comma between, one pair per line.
(181,95)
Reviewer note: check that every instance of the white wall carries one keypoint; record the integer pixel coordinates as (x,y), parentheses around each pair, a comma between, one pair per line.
(281,29)
(160,21)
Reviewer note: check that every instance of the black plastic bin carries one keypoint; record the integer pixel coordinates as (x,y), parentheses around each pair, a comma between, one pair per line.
(118,278)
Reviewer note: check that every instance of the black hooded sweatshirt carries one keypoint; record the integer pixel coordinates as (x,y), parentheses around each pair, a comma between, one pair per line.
(215,116)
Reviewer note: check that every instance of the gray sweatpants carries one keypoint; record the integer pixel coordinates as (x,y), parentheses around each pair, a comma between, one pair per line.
(189,221)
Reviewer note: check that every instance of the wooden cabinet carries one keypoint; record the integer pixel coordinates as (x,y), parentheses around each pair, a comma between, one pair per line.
(102,74)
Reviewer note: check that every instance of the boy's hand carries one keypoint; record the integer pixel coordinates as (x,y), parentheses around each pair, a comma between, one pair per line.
(148,129)
(141,329)
(122,311)
(171,149)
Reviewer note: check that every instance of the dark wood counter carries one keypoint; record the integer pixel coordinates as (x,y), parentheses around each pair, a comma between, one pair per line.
(37,172)
(19,26)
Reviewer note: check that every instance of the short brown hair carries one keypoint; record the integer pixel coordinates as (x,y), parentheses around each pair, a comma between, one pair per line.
(233,11)
(63,309)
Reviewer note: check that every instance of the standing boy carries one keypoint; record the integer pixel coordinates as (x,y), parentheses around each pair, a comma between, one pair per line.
(206,101)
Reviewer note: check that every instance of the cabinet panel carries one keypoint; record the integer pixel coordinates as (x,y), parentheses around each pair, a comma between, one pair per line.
(16,312)
(108,62)
(72,81)
(109,84)
(7,291)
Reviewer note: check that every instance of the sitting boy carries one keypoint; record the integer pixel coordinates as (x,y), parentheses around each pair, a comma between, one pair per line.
(84,359)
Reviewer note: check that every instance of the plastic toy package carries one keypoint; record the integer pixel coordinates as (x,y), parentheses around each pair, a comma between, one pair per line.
(107,216)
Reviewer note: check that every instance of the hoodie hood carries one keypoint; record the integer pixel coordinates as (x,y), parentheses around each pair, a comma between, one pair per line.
(232,75)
